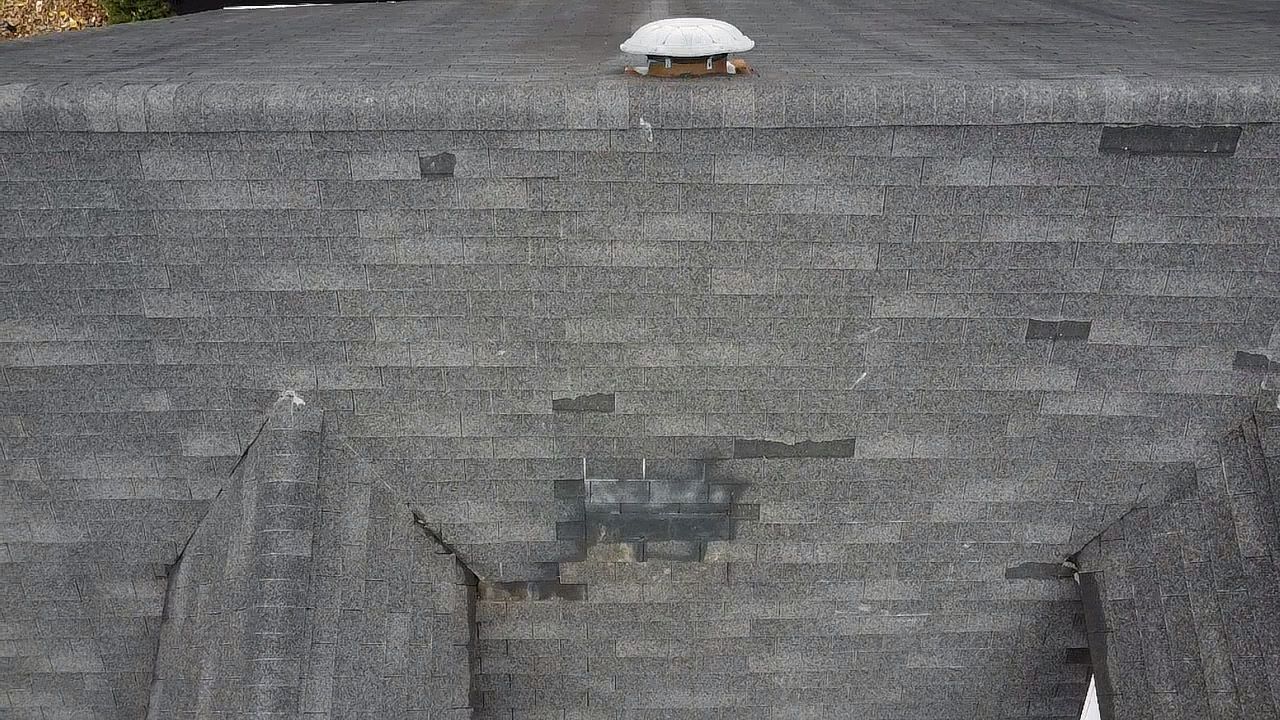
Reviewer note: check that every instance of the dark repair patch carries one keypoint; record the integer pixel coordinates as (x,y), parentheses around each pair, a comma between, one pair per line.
(802,449)
(595,402)
(1078,656)
(1253,361)
(675,550)
(636,508)
(438,165)
(611,528)
(1074,330)
(1041,329)
(1038,571)
(1058,329)
(1170,139)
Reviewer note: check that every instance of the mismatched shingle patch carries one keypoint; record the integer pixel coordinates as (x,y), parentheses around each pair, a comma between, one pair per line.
(1038,571)
(659,522)
(1170,139)
(636,509)
(1058,330)
(535,590)
(1251,361)
(801,449)
(595,402)
(438,165)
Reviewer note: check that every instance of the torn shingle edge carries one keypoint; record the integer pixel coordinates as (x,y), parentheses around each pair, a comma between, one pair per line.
(801,449)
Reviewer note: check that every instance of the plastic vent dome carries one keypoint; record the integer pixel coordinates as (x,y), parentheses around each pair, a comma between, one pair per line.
(687,38)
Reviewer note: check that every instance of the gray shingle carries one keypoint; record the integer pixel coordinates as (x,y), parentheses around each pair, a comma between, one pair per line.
(176,165)
(385,165)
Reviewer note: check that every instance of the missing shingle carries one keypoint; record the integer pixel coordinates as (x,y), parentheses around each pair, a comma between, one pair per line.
(1058,329)
(595,402)
(1169,139)
(1254,361)
(438,165)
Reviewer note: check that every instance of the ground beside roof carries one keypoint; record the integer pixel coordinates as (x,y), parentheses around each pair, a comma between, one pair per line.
(552,39)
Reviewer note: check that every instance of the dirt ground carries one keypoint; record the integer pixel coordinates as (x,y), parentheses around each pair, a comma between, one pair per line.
(23,18)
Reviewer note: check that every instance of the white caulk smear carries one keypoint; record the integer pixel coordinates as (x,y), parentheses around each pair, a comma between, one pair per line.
(293,396)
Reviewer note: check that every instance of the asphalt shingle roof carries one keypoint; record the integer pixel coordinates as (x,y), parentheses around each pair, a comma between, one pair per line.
(771,397)
(976,40)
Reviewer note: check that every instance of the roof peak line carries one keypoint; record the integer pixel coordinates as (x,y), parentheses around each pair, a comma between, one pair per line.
(617,103)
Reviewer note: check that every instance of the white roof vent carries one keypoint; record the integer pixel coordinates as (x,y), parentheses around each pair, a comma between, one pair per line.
(687,38)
